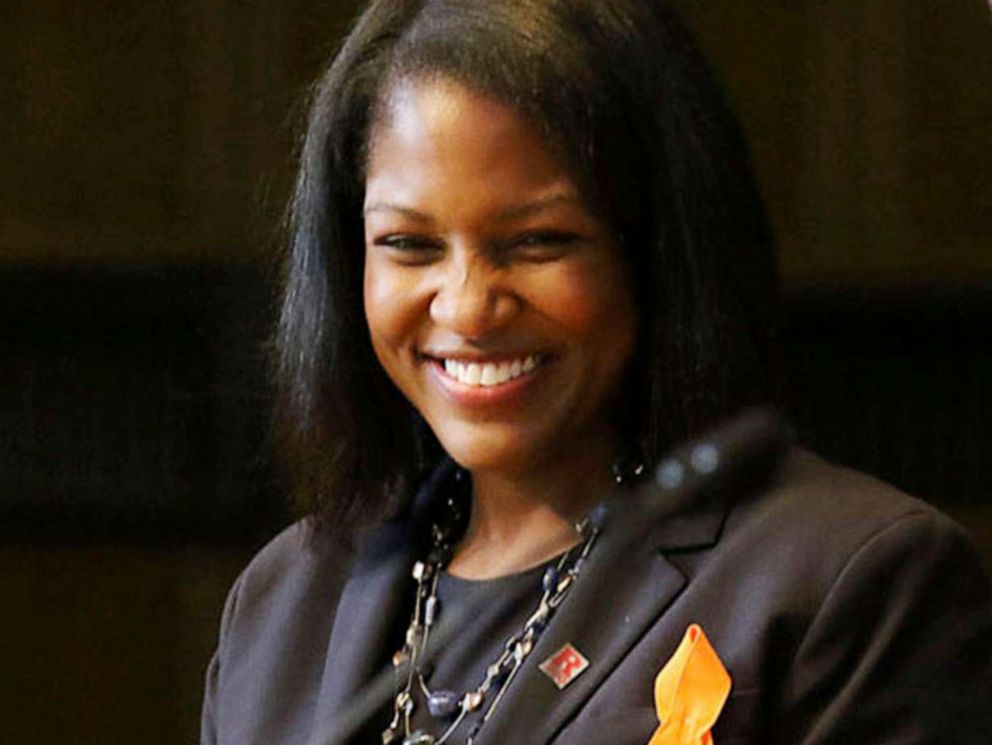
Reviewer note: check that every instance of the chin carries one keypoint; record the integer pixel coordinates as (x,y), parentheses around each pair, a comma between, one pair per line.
(479,459)
(506,452)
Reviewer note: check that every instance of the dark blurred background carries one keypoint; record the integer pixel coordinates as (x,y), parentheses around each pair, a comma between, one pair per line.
(145,153)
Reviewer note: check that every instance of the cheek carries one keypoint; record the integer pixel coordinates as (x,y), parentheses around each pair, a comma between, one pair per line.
(383,297)
(593,302)
(391,321)
(386,328)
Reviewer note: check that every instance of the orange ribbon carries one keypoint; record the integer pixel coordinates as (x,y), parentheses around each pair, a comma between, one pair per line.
(689,692)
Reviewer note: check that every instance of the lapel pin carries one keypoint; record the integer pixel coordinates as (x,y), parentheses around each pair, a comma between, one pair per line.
(564,666)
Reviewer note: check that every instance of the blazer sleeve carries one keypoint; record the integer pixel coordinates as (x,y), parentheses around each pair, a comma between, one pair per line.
(900,651)
(208,717)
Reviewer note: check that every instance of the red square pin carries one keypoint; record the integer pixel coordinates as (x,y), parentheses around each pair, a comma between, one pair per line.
(564,666)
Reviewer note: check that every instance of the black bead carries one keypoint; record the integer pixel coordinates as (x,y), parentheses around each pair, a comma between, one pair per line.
(550,579)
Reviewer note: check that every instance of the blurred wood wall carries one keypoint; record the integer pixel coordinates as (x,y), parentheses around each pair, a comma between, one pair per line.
(869,123)
(152,132)
(161,132)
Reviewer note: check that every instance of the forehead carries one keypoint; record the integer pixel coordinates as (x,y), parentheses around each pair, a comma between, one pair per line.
(446,113)
(437,133)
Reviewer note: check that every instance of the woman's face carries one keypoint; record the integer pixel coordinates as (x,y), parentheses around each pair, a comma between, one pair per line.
(496,300)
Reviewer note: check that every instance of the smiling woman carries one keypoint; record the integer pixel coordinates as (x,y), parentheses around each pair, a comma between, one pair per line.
(496,300)
(527,258)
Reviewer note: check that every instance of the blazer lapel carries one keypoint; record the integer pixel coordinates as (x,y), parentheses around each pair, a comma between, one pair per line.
(619,595)
(378,588)
(376,591)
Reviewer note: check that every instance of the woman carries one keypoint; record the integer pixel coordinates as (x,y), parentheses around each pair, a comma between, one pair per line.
(527,258)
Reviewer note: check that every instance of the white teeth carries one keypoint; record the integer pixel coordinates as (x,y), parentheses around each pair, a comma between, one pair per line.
(488,374)
(473,373)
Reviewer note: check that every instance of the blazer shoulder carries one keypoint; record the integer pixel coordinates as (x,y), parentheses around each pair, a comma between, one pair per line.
(293,566)
(899,629)
(817,517)
(842,502)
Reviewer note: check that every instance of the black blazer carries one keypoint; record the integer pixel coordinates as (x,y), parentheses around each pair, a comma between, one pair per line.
(845,612)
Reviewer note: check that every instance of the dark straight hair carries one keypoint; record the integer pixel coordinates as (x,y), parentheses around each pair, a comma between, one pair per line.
(622,91)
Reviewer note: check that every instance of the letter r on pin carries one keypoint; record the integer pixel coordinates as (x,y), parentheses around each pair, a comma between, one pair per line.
(564,666)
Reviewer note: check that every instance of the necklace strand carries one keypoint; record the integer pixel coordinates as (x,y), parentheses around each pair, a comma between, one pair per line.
(556,583)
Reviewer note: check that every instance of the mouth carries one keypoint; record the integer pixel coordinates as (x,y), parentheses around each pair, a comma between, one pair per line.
(488,374)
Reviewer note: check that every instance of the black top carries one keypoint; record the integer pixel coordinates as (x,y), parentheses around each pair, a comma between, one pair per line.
(461,664)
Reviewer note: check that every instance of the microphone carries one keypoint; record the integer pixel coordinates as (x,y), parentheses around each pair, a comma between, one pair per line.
(741,454)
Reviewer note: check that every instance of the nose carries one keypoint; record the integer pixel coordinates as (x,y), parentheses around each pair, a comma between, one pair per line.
(473,298)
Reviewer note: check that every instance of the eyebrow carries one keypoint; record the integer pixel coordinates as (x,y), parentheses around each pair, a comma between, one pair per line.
(408,212)
(513,212)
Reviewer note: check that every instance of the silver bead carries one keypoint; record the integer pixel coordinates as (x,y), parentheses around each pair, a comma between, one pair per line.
(539,618)
(518,653)
(472,700)
(430,610)
(442,704)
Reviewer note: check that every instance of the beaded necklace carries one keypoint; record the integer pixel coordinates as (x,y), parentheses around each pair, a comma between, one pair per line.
(449,708)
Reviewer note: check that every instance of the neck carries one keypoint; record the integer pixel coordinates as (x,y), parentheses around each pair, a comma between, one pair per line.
(520,520)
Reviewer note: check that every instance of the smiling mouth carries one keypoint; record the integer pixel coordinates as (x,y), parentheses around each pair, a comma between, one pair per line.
(489,374)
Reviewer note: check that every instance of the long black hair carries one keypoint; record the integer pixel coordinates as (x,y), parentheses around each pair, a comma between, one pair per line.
(621,89)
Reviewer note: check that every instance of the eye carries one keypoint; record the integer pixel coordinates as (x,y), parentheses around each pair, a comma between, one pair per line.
(405,242)
(409,247)
(547,237)
(543,245)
